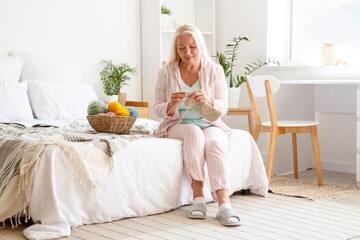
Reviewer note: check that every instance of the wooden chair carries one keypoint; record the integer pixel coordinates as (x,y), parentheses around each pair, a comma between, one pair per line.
(265,86)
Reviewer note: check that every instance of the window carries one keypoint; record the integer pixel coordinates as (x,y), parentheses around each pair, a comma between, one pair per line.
(325,21)
(298,29)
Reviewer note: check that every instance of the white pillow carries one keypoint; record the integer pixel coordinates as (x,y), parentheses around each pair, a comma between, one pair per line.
(14,102)
(10,68)
(49,68)
(60,100)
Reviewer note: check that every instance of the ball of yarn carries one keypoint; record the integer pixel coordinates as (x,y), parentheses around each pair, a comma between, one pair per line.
(96,107)
(107,114)
(133,112)
(118,109)
(114,106)
(123,112)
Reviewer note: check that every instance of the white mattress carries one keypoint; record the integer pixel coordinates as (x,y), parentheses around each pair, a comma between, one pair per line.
(147,178)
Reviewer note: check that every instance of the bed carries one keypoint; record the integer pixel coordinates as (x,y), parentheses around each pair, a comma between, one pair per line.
(139,177)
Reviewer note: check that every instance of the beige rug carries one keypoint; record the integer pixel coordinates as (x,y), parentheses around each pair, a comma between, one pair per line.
(307,188)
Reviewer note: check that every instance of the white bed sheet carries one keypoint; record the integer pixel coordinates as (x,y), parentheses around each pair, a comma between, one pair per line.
(147,178)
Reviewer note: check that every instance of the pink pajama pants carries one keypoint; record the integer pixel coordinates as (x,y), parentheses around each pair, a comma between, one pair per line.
(200,145)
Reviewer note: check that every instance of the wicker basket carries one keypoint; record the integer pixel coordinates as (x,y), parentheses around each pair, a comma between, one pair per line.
(111,124)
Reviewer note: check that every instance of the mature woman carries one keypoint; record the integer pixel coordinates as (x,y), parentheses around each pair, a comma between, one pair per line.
(191,73)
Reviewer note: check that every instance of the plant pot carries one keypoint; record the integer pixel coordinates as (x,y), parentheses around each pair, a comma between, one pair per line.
(234,97)
(122,98)
(166,23)
(109,99)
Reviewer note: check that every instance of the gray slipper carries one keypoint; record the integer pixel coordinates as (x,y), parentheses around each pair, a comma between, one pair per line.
(200,207)
(226,214)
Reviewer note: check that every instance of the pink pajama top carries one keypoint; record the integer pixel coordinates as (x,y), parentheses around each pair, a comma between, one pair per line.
(212,81)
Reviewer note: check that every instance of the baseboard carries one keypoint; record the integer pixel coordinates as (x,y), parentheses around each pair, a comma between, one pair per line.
(326,165)
(338,166)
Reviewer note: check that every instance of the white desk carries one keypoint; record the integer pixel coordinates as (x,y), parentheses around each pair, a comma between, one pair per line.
(357,110)
(321,81)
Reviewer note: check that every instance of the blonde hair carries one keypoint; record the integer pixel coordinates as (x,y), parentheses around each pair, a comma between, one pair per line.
(199,40)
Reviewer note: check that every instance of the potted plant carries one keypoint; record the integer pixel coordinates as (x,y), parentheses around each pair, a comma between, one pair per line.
(165,17)
(165,10)
(114,77)
(227,61)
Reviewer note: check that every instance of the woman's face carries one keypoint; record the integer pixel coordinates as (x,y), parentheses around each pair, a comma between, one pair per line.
(187,49)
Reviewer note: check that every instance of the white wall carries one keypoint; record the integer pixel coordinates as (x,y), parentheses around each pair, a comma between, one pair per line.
(236,18)
(88,31)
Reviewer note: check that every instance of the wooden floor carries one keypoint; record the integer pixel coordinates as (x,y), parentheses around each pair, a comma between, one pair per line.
(275,217)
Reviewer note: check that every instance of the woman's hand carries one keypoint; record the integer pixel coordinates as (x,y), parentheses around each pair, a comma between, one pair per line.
(200,96)
(176,99)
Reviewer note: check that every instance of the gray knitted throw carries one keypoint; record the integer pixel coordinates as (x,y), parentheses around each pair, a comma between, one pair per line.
(204,109)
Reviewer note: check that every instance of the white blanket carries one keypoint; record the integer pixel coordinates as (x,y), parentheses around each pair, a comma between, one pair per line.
(86,153)
(147,178)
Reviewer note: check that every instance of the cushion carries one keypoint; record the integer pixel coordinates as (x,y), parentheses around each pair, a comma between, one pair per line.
(49,68)
(60,100)
(14,103)
(10,68)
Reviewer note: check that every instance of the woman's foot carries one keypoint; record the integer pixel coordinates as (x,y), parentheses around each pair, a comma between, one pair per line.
(228,216)
(197,209)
